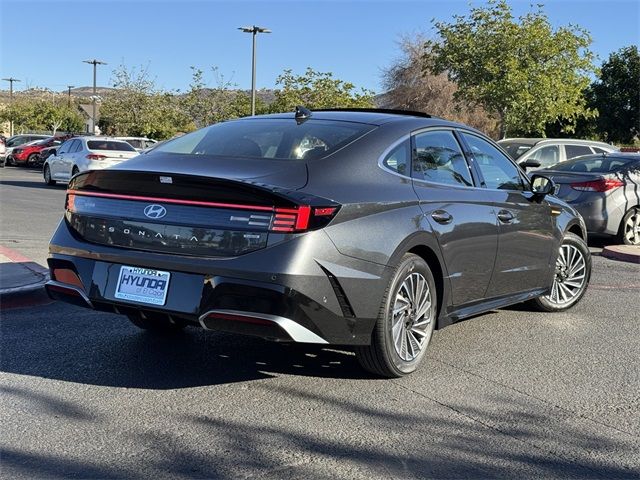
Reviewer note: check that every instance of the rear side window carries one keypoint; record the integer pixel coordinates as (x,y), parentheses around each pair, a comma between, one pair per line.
(109,145)
(598,150)
(282,139)
(497,170)
(397,159)
(437,157)
(576,150)
(547,156)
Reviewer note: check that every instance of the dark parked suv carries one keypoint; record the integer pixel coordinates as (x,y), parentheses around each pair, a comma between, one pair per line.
(362,228)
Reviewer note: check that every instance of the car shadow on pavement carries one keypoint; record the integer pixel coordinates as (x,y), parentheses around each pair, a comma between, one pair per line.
(33,184)
(497,437)
(59,341)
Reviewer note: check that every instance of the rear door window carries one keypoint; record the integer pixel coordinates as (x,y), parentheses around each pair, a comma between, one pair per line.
(437,157)
(572,151)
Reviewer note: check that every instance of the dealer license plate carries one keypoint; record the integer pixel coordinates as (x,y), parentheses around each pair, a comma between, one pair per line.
(142,285)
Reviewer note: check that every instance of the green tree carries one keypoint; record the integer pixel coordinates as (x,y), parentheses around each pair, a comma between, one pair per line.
(616,95)
(410,86)
(206,105)
(137,108)
(43,110)
(59,115)
(523,71)
(317,90)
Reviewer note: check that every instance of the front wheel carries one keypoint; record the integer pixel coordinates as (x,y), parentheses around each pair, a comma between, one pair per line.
(405,322)
(573,270)
(32,160)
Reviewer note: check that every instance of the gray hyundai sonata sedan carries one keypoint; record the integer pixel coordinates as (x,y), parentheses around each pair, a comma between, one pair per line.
(366,228)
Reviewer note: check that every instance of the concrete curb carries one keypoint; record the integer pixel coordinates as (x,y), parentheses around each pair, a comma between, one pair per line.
(625,253)
(39,275)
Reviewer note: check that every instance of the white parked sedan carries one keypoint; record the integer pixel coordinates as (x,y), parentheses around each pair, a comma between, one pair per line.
(85,153)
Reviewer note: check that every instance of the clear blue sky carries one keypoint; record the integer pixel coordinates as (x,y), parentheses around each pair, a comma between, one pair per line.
(44,42)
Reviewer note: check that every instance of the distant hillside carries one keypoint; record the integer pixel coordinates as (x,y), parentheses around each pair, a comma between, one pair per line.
(266,95)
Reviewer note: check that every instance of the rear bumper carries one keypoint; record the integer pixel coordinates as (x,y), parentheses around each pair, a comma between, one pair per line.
(284,292)
(600,216)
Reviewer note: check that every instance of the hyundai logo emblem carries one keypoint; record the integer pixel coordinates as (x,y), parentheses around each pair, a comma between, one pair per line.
(155,211)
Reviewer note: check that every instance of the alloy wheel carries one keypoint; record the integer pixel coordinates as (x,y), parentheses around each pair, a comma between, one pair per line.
(411,320)
(632,229)
(570,278)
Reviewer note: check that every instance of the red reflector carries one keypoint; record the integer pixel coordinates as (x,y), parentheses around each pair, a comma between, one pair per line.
(66,275)
(600,185)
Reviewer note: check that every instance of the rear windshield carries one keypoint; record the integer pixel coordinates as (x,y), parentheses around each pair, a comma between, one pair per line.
(599,164)
(135,143)
(109,145)
(515,149)
(269,139)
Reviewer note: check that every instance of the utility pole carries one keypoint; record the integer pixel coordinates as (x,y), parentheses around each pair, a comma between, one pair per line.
(11,80)
(69,87)
(254,30)
(95,63)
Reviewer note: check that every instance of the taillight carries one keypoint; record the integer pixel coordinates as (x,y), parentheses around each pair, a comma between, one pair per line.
(600,185)
(301,219)
(95,156)
(70,202)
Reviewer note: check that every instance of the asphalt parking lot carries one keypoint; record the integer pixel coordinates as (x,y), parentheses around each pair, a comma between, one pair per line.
(512,393)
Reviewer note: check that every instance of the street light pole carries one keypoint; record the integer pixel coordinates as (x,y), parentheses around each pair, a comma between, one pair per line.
(11,80)
(69,87)
(254,30)
(95,63)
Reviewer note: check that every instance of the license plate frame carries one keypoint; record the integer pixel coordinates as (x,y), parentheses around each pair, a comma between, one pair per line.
(144,285)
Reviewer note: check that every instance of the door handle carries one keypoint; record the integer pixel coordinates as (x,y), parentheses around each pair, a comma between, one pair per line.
(442,217)
(505,216)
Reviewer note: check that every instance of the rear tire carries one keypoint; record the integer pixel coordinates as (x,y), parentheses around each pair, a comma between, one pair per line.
(406,321)
(629,233)
(47,176)
(157,324)
(573,271)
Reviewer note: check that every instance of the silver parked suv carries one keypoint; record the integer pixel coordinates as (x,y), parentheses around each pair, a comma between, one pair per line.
(549,151)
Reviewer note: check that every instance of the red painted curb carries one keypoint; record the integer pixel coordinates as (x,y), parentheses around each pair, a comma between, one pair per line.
(17,257)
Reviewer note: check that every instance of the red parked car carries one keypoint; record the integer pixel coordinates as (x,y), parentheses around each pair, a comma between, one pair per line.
(29,154)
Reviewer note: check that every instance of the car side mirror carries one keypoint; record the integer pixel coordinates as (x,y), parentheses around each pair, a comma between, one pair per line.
(542,186)
(531,163)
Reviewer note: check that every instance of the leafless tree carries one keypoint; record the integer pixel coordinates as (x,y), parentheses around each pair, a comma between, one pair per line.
(409,85)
